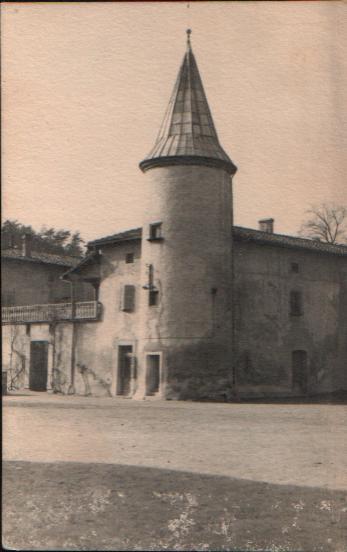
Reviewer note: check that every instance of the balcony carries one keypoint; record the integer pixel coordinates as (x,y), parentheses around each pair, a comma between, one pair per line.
(86,310)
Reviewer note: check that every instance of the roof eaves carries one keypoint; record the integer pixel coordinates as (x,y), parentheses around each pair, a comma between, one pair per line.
(94,256)
(292,242)
(127,235)
(38,259)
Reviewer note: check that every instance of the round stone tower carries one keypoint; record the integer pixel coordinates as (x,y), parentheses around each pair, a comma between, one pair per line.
(185,337)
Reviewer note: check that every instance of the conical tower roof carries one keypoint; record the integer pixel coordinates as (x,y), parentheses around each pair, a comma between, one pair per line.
(187,134)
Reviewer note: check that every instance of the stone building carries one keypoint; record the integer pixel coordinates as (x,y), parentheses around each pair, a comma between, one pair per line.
(33,277)
(189,306)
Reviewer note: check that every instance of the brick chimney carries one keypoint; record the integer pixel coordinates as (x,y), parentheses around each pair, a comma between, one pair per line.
(267,225)
(26,245)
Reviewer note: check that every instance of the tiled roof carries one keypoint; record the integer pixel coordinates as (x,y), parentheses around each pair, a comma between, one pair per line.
(133,234)
(38,257)
(90,258)
(244,234)
(280,240)
(187,131)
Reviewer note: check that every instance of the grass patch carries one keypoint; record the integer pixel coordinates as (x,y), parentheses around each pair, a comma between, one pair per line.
(74,506)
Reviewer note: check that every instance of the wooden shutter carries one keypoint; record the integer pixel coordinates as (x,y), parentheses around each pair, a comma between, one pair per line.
(295,303)
(128,300)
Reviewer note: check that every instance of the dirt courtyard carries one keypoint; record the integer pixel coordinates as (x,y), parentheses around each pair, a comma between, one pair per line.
(110,474)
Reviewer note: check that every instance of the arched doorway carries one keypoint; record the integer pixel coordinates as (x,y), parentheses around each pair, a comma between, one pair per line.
(153,376)
(299,372)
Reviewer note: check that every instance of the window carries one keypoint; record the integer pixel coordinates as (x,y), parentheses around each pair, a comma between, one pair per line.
(155,231)
(129,258)
(128,298)
(8,299)
(153,298)
(296,306)
(294,267)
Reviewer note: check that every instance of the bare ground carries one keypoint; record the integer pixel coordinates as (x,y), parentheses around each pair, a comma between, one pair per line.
(106,474)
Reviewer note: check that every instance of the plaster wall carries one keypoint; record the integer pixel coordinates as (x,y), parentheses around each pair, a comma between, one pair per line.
(16,354)
(97,342)
(265,332)
(191,268)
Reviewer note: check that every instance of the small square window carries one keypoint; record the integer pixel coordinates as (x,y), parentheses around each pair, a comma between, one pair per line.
(294,267)
(153,298)
(155,231)
(129,258)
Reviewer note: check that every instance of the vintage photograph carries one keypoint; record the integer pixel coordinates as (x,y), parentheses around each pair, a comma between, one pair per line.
(174,276)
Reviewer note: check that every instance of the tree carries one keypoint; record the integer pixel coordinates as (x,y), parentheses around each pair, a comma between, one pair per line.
(327,223)
(47,240)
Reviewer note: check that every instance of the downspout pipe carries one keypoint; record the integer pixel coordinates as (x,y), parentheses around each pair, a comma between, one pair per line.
(234,386)
(72,390)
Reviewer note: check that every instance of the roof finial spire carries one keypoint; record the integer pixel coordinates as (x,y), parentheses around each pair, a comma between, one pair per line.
(189,32)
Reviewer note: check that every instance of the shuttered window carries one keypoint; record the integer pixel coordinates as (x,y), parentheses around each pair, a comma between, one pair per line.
(296,303)
(128,298)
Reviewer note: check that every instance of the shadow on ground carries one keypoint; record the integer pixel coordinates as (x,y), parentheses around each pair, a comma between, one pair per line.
(73,506)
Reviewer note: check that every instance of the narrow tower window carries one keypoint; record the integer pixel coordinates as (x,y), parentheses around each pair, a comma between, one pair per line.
(129,258)
(153,298)
(296,303)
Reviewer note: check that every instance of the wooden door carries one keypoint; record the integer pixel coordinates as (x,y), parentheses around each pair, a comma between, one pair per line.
(124,369)
(299,372)
(38,365)
(153,374)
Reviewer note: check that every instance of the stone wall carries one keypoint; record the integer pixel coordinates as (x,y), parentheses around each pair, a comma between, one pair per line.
(266,334)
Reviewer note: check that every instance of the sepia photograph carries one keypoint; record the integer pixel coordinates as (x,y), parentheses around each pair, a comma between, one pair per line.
(174,276)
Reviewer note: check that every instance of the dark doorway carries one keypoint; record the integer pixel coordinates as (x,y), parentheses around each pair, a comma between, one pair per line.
(124,369)
(153,374)
(299,372)
(38,365)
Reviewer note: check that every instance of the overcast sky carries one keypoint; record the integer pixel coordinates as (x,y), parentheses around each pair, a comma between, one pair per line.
(86,86)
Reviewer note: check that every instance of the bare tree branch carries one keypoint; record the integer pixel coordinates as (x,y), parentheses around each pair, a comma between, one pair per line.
(327,222)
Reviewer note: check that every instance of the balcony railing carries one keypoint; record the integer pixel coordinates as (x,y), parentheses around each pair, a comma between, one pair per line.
(86,310)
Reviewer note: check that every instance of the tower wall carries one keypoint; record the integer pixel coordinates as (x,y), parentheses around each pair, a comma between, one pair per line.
(191,327)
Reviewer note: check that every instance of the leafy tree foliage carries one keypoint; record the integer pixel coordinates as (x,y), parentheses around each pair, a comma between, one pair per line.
(48,240)
(327,223)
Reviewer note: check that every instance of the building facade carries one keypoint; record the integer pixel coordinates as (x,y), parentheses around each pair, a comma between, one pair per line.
(188,306)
